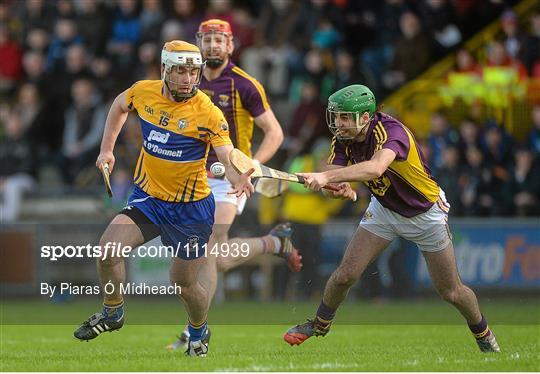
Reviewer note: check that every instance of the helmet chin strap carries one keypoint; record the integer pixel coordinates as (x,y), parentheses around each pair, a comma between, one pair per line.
(176,96)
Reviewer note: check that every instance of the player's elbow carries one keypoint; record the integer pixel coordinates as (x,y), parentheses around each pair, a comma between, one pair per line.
(377,170)
(277,135)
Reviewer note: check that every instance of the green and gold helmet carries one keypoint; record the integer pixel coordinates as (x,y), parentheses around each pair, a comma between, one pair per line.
(349,104)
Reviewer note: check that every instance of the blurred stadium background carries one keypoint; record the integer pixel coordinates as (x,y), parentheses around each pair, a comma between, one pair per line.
(464,75)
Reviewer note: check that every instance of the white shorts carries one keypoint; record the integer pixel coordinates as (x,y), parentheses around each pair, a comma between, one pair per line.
(428,230)
(220,187)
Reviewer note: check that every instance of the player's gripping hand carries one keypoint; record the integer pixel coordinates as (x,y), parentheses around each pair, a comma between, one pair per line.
(105,158)
(243,185)
(314,181)
(345,192)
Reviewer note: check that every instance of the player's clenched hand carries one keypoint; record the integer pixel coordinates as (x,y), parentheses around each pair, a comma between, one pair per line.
(243,185)
(105,158)
(314,181)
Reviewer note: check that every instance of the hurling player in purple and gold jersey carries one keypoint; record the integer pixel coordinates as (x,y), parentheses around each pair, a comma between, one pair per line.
(243,102)
(171,198)
(372,147)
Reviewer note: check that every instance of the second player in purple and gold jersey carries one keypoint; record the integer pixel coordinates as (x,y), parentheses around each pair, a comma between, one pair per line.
(372,147)
(241,98)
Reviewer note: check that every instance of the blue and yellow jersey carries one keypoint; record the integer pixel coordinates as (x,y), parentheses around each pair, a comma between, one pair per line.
(176,140)
(241,98)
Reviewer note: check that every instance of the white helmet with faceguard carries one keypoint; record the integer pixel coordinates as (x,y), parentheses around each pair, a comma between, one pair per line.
(181,55)
(214,38)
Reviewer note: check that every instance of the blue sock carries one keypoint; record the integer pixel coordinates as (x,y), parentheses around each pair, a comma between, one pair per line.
(116,311)
(196,333)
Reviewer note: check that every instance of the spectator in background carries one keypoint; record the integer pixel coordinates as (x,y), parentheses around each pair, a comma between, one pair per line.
(34,68)
(514,38)
(37,40)
(498,57)
(126,33)
(76,66)
(34,14)
(64,9)
(65,35)
(17,169)
(10,62)
(244,32)
(84,124)
(149,62)
(27,108)
(442,134)
(172,30)
(377,55)
(270,57)
(106,83)
(307,122)
(474,185)
(151,19)
(497,148)
(93,22)
(186,12)
(534,135)
(524,184)
(220,9)
(448,177)
(412,52)
(439,19)
(466,63)
(469,137)
(317,67)
(464,82)
(315,23)
(530,55)
(325,35)
(345,71)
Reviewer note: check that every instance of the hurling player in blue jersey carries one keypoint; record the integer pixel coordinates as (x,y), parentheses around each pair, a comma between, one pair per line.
(172,198)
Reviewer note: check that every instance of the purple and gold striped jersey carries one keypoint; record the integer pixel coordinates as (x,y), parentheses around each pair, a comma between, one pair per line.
(241,98)
(407,186)
(176,140)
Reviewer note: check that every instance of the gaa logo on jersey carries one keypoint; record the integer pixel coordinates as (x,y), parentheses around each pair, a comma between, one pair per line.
(182,124)
(224,100)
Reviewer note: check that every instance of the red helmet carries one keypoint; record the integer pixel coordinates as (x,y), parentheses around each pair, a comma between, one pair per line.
(215,25)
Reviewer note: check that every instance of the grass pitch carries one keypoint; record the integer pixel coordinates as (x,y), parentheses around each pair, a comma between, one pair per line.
(425,336)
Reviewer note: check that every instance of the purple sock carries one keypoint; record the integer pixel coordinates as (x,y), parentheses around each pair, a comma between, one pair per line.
(481,329)
(325,314)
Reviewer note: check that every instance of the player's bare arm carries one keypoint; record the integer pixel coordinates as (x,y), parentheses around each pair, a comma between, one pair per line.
(115,120)
(363,171)
(241,182)
(273,136)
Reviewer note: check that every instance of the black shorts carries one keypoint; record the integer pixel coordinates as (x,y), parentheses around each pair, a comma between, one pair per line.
(148,229)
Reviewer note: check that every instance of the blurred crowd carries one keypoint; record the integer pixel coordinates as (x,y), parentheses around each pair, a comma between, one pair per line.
(64,60)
